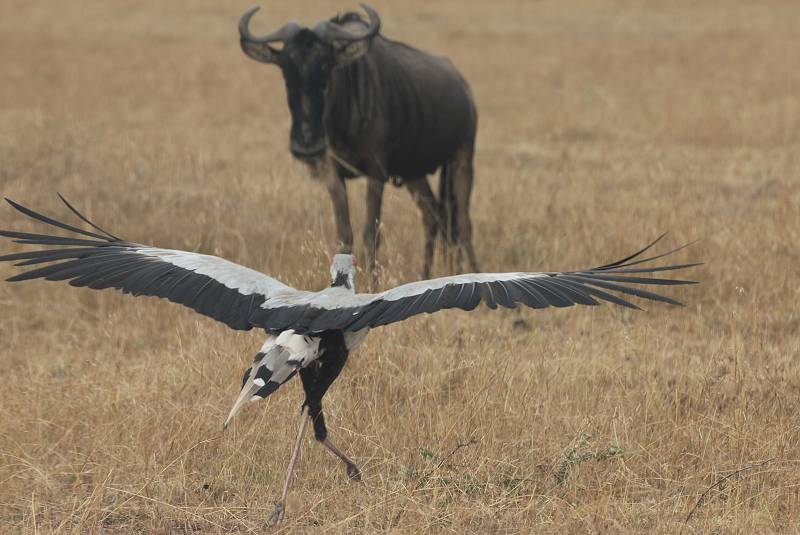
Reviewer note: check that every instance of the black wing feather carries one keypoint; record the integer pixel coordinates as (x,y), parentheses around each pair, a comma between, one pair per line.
(102,260)
(85,220)
(44,219)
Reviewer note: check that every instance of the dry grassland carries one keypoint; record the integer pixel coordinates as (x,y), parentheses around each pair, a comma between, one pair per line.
(602,124)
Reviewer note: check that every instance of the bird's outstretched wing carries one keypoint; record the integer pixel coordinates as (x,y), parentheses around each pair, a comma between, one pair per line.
(208,284)
(313,313)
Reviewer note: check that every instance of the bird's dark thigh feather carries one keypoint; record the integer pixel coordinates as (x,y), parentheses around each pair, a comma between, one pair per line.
(318,377)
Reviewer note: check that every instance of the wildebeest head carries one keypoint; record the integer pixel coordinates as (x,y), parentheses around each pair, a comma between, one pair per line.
(307,58)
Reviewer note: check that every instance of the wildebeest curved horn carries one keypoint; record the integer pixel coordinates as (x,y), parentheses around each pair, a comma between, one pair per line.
(329,31)
(283,34)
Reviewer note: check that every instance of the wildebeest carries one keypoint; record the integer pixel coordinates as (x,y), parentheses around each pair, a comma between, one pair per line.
(362,104)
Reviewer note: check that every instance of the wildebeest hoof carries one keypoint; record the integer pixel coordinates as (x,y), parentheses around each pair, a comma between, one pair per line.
(353,472)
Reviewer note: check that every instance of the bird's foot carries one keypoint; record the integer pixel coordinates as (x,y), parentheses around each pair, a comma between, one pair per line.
(353,472)
(277,515)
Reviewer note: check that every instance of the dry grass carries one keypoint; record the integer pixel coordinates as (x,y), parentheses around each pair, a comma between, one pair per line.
(602,123)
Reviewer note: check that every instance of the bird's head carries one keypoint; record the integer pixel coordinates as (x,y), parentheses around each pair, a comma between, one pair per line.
(343,270)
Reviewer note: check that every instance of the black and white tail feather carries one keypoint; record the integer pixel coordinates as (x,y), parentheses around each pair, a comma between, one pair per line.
(278,361)
(244,298)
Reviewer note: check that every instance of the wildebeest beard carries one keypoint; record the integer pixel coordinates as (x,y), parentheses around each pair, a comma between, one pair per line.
(307,64)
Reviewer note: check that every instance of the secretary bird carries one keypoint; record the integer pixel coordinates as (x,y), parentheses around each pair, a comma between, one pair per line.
(310,333)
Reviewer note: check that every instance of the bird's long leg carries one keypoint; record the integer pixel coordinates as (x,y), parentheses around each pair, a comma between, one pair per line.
(280,506)
(352,470)
(316,381)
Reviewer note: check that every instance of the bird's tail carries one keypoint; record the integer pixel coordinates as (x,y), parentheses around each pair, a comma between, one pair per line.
(276,363)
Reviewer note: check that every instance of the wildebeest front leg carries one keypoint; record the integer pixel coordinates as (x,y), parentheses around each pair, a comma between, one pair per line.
(372,227)
(426,202)
(341,212)
(324,170)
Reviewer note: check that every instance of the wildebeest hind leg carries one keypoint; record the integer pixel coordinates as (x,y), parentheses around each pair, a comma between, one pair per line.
(426,202)
(372,227)
(462,176)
